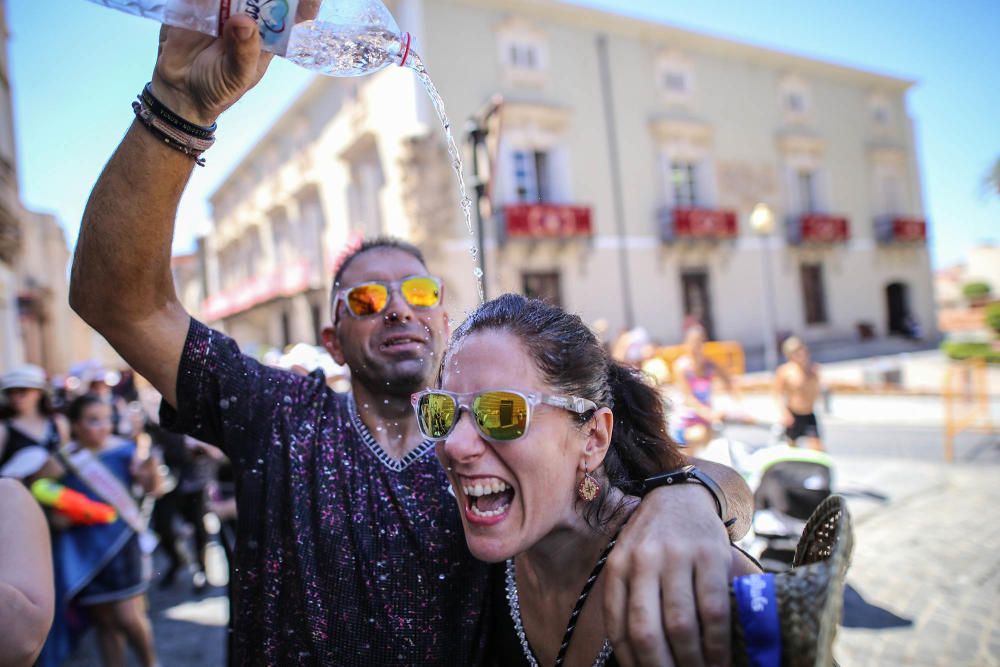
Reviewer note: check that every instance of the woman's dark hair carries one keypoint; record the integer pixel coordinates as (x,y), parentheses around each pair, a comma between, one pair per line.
(79,404)
(573,361)
(44,406)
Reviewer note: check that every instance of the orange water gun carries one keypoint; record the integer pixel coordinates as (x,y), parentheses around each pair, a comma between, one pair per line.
(73,505)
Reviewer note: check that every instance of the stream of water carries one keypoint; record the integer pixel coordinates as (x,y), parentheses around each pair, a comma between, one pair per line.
(456,164)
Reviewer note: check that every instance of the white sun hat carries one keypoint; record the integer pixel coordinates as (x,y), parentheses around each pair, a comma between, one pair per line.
(26,376)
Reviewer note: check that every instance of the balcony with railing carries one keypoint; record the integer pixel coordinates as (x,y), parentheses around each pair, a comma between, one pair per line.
(696,224)
(538,221)
(818,228)
(900,229)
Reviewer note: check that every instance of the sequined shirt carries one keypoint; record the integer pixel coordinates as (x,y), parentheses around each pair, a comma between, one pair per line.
(344,556)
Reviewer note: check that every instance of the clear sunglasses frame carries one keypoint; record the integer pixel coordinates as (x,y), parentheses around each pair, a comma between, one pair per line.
(573,404)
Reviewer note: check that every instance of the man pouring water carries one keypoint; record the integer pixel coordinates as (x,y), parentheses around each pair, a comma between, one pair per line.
(348,549)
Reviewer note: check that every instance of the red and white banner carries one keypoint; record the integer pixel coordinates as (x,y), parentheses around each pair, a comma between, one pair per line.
(547,221)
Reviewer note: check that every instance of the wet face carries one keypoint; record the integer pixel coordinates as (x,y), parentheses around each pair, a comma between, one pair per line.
(23,399)
(93,427)
(394,352)
(510,494)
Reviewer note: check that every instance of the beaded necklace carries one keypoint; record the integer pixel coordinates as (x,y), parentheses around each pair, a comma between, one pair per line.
(513,601)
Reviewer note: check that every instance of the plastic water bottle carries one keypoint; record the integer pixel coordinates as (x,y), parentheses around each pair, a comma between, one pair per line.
(332,37)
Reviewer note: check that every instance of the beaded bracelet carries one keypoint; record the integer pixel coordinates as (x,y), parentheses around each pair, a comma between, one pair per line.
(179,134)
(162,112)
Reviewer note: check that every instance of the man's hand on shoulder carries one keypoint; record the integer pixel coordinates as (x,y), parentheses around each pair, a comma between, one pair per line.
(667,587)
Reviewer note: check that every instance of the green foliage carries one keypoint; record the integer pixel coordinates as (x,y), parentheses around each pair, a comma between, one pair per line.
(993,316)
(976,290)
(965,350)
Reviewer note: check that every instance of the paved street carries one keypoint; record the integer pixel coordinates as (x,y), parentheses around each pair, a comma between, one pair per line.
(924,586)
(190,630)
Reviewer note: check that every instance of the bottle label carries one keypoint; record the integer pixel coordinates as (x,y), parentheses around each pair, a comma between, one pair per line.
(757,611)
(275,19)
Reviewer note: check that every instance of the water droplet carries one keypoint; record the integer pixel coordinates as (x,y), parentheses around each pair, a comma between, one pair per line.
(224,403)
(477,272)
(385,402)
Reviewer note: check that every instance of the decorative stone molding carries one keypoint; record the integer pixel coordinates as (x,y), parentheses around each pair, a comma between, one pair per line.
(680,129)
(10,235)
(801,143)
(888,153)
(541,115)
(427,188)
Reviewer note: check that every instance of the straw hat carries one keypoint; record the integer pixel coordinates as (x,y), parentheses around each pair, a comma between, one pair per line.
(810,596)
(26,376)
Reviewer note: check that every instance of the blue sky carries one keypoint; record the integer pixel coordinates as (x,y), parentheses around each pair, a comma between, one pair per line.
(76,71)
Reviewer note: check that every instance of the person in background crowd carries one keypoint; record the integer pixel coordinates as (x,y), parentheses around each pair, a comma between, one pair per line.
(26,591)
(40,471)
(796,388)
(192,466)
(28,419)
(221,502)
(101,384)
(99,568)
(695,375)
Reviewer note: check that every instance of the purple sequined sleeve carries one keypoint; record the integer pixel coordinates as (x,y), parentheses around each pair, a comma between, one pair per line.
(227,398)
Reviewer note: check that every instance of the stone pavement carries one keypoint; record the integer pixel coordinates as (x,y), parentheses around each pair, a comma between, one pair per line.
(924,583)
(189,629)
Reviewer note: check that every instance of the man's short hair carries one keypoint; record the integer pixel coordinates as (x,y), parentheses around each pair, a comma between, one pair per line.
(791,345)
(377,243)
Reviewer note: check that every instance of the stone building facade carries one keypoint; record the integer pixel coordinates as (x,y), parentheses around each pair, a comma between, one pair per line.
(626,157)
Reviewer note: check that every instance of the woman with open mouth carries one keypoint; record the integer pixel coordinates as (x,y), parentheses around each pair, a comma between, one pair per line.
(555,432)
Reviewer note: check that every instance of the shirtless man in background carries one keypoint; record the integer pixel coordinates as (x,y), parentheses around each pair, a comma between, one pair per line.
(796,388)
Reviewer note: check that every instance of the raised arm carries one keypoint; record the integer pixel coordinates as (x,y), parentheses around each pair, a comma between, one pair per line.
(121,282)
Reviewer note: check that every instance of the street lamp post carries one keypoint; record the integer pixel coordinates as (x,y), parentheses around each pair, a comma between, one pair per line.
(477,139)
(762,224)
(479,127)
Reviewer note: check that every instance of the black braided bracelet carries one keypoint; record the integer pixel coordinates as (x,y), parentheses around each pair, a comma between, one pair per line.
(142,115)
(177,133)
(160,110)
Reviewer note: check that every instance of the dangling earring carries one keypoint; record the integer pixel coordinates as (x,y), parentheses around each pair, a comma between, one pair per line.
(588,487)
